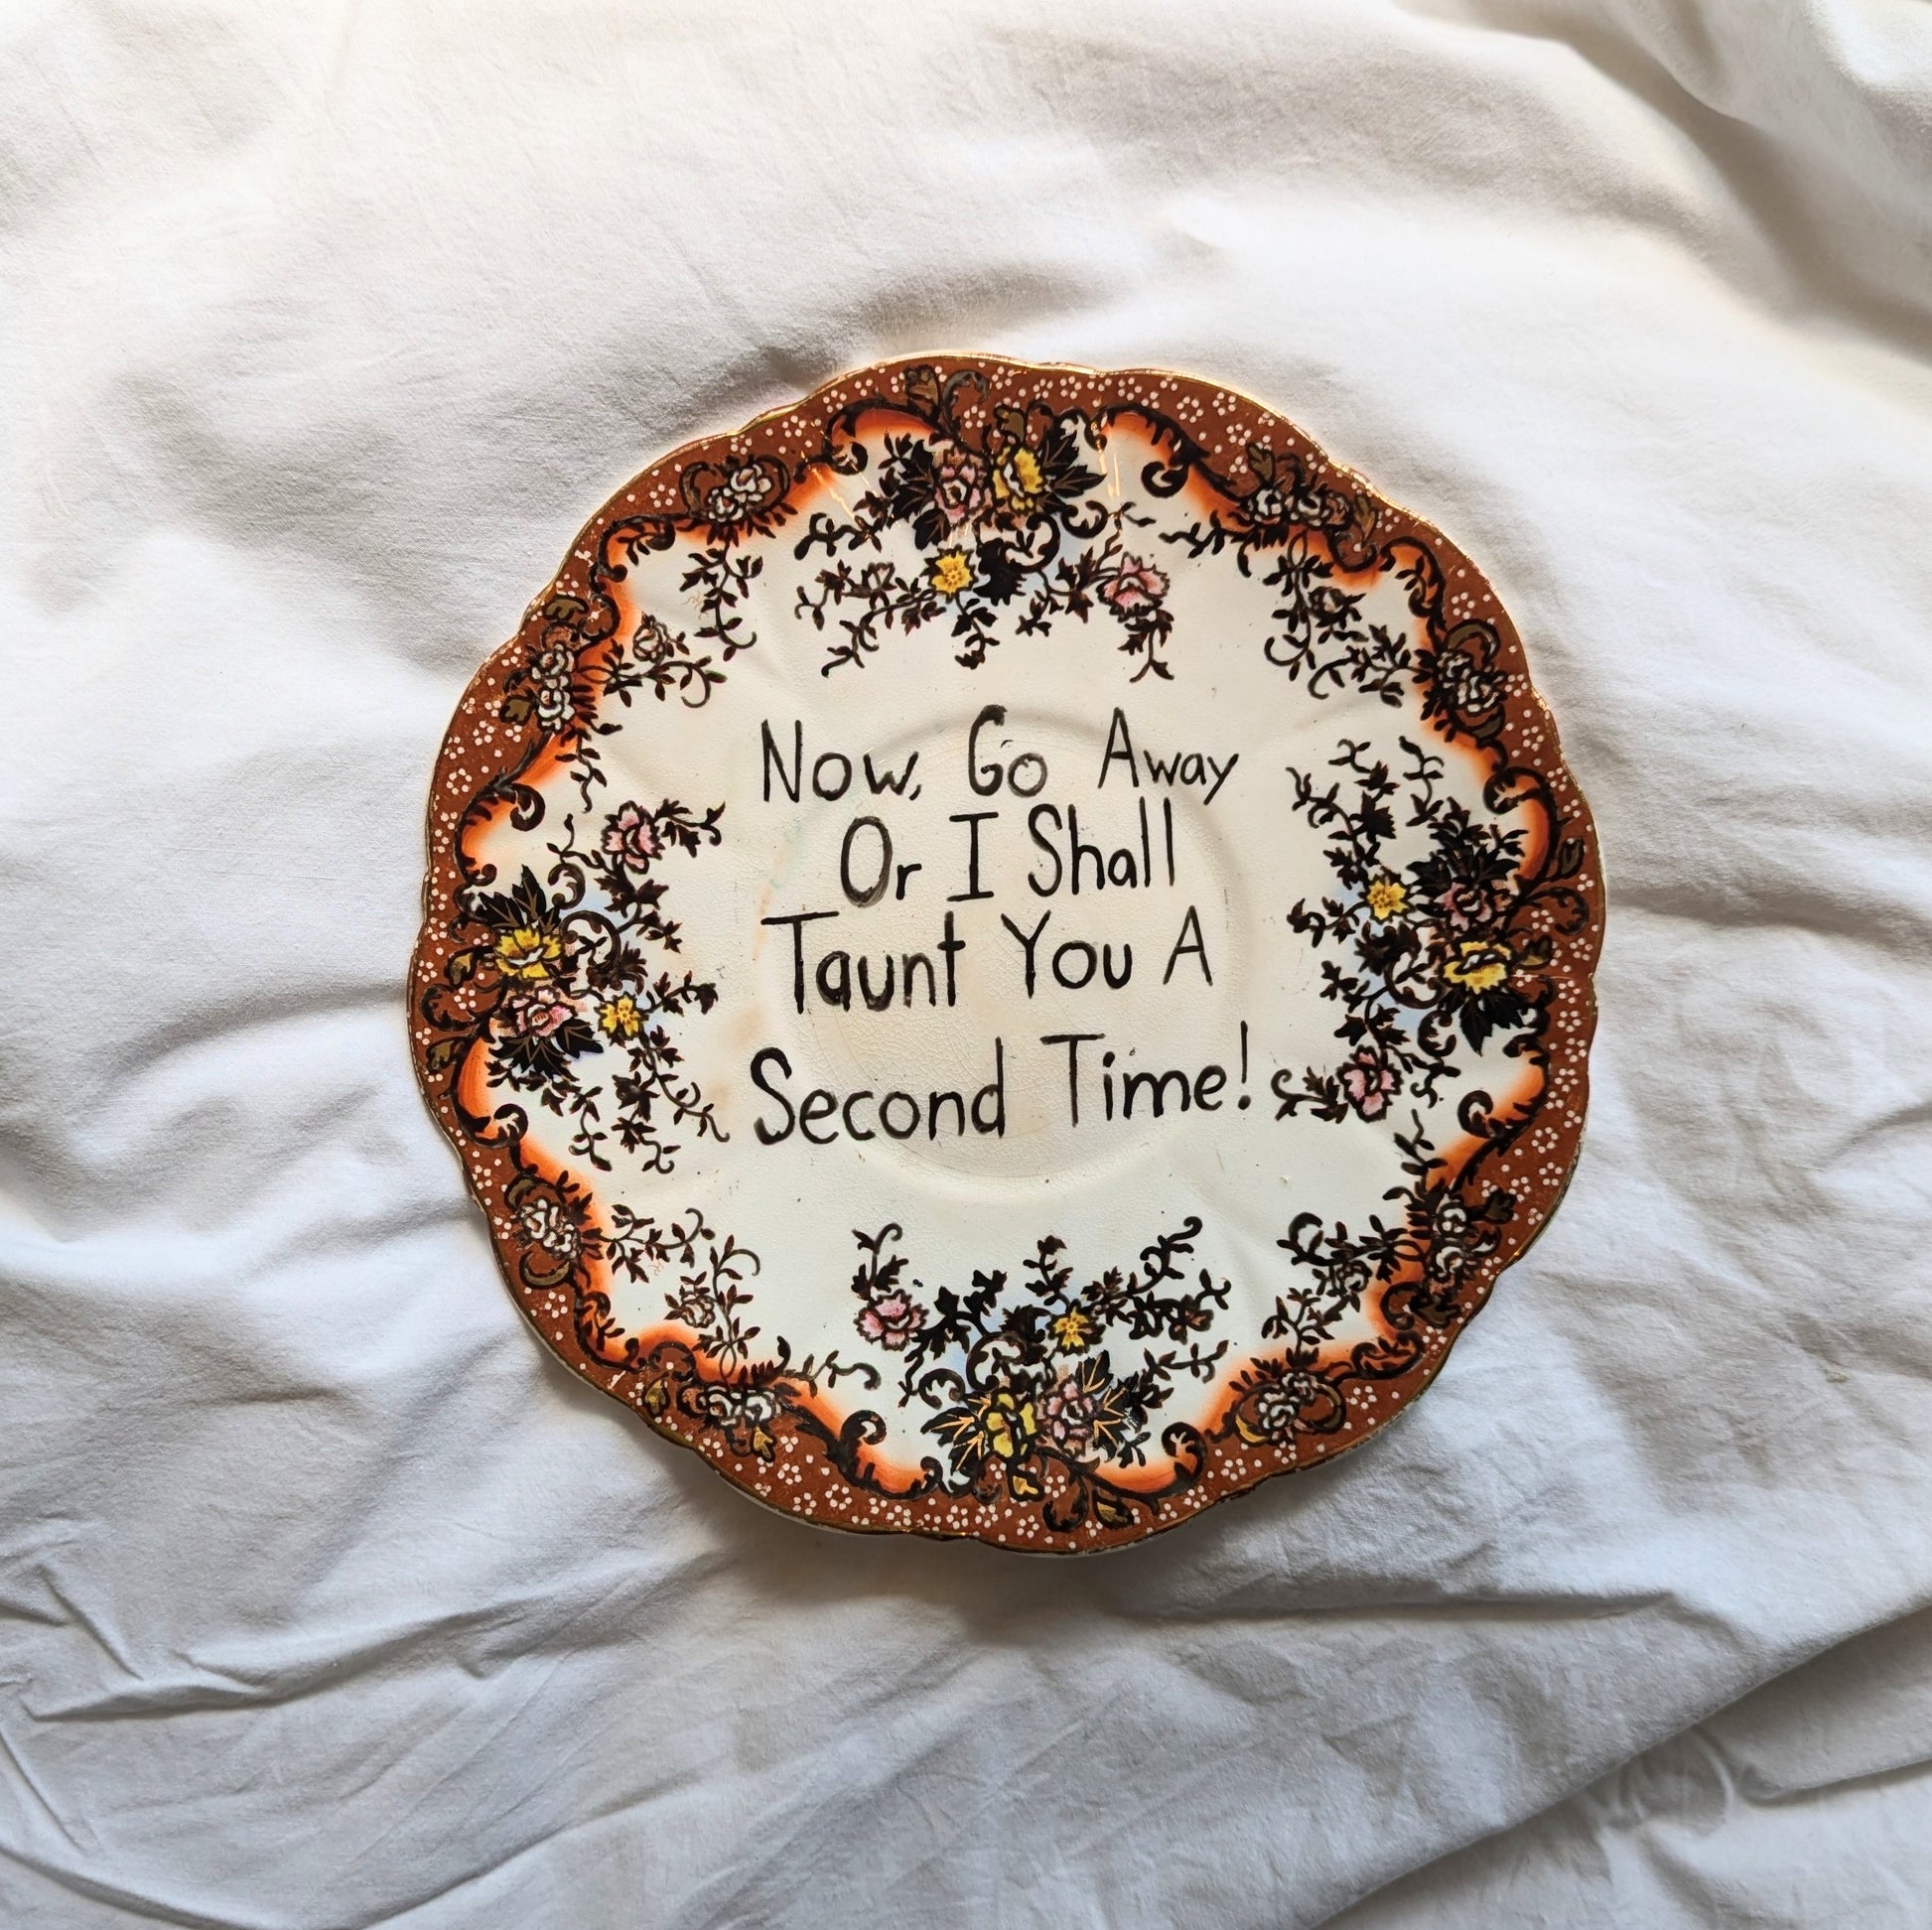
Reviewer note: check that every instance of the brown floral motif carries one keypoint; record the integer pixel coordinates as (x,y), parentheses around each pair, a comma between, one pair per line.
(1449,948)
(546,686)
(1005,516)
(740,497)
(891,1321)
(720,1379)
(1461,687)
(1024,1396)
(1297,534)
(564,978)
(1134,585)
(549,1220)
(632,837)
(745,1414)
(1284,1401)
(1370,1083)
(1419,1269)
(571,673)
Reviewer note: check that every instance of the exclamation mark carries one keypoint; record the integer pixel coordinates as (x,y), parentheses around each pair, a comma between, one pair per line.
(1244,1102)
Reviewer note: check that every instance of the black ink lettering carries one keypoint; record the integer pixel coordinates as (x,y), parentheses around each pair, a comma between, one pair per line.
(972,820)
(1034,818)
(819,1104)
(1156,1084)
(997,1092)
(835,985)
(845,1113)
(992,714)
(818,783)
(799,921)
(1079,850)
(951,947)
(844,783)
(1027,940)
(1079,948)
(1120,744)
(876,888)
(765,1134)
(1073,1041)
(890,779)
(865,984)
(775,759)
(1183,945)
(905,964)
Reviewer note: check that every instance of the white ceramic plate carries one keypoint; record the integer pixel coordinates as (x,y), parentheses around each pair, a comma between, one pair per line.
(1008,952)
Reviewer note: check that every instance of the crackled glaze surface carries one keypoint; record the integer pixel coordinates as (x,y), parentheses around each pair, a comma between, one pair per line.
(1008,952)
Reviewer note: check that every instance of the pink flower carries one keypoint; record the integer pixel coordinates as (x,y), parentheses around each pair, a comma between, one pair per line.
(890,1321)
(1462,904)
(961,491)
(631,837)
(536,1011)
(1370,1081)
(1067,1412)
(1134,586)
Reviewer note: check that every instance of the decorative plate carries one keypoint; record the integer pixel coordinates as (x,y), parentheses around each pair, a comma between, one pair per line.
(1008,952)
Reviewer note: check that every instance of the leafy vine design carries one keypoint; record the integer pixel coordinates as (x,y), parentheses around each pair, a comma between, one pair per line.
(1003,518)
(1418,1264)
(564,971)
(1448,949)
(1019,1379)
(717,1379)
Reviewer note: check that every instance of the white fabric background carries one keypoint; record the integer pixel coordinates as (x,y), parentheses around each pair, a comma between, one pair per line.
(329,1599)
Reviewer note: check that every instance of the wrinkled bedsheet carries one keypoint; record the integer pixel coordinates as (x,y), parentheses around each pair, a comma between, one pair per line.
(328,1599)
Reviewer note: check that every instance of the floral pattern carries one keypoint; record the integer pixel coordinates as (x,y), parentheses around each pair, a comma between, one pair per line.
(1009,513)
(1452,939)
(1448,948)
(569,990)
(1024,1397)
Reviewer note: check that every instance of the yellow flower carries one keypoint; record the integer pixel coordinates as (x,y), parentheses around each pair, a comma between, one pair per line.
(1386,897)
(1008,1423)
(527,952)
(1073,1331)
(1019,478)
(950,572)
(619,1017)
(1479,965)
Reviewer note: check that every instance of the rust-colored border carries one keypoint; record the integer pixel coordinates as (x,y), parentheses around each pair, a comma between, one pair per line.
(484,754)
